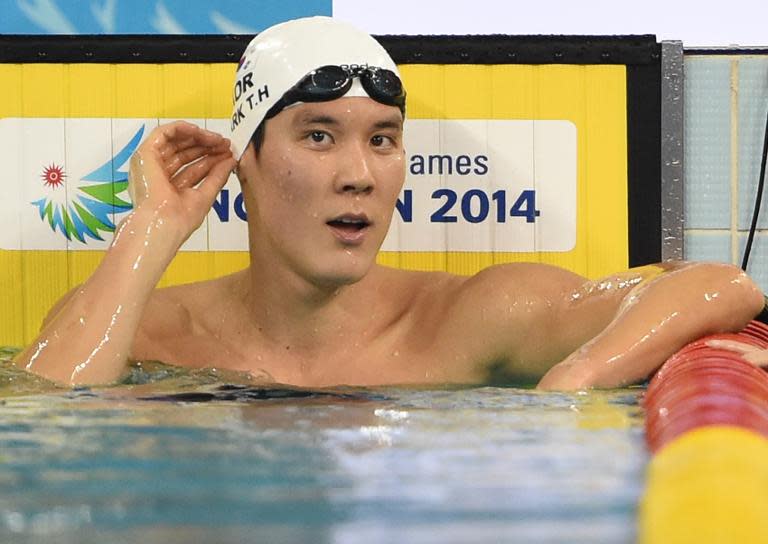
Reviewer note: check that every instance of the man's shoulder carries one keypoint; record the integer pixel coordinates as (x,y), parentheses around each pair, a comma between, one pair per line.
(501,302)
(489,285)
(490,317)
(174,310)
(441,289)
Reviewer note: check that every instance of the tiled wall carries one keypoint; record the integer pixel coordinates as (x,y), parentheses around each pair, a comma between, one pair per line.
(726,99)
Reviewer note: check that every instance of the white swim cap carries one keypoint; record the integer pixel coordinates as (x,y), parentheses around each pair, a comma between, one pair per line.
(282,55)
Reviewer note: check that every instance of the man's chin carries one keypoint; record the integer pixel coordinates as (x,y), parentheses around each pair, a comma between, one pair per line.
(341,278)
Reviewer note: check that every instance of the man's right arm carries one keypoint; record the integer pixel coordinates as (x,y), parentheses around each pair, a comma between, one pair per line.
(89,338)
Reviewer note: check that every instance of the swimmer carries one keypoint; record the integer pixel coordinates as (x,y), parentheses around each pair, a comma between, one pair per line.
(317,145)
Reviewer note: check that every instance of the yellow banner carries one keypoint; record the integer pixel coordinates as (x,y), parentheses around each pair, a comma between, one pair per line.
(592,98)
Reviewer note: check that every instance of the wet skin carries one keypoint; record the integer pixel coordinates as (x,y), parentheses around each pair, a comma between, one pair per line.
(313,308)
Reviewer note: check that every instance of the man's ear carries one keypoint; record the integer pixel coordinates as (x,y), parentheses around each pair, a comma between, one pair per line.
(238,170)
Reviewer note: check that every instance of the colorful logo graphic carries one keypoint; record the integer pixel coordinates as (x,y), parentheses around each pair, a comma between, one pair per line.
(53,176)
(88,209)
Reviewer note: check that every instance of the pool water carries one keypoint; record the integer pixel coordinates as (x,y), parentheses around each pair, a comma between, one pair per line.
(178,456)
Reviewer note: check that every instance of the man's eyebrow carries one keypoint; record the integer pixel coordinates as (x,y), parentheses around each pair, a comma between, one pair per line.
(311,119)
(395,123)
(324,119)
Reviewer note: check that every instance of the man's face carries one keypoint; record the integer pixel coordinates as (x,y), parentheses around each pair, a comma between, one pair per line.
(321,191)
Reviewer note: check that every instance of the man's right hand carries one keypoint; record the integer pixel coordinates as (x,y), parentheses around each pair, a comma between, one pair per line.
(167,169)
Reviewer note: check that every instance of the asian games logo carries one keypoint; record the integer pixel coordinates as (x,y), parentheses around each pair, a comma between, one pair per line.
(88,208)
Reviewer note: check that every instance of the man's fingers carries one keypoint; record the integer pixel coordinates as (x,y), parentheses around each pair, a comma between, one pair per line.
(200,138)
(193,173)
(172,132)
(175,163)
(732,345)
(182,158)
(180,135)
(188,134)
(182,130)
(752,354)
(216,179)
(172,147)
(190,153)
(174,158)
(757,358)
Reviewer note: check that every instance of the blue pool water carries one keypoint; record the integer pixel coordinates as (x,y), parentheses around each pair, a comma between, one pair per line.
(246,464)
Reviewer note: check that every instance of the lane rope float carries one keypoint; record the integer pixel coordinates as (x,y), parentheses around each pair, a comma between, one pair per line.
(706,427)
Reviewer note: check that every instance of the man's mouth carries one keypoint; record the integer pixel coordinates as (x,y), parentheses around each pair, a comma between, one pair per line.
(349,228)
(351,225)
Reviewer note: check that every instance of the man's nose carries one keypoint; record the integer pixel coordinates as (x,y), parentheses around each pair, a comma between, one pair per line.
(354,175)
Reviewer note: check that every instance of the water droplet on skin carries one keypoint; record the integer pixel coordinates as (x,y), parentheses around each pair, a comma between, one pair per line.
(396,353)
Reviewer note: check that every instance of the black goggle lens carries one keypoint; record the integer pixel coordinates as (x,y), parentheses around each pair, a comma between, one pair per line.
(385,82)
(328,79)
(331,82)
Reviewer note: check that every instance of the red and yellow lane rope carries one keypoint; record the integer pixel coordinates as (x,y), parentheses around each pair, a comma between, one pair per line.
(707,428)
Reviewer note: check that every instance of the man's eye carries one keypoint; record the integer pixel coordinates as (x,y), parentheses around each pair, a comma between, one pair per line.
(318,136)
(380,140)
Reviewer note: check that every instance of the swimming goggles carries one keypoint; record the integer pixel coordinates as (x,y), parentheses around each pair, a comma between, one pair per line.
(331,82)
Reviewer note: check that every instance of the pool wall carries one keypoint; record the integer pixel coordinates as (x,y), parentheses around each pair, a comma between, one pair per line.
(726,99)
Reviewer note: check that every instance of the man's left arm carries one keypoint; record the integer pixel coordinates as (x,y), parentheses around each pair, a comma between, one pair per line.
(651,321)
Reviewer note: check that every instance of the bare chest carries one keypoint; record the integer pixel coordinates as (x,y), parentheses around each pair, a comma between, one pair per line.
(390,359)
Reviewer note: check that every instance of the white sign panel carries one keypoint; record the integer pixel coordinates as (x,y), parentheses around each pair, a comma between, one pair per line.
(487,185)
(472,185)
